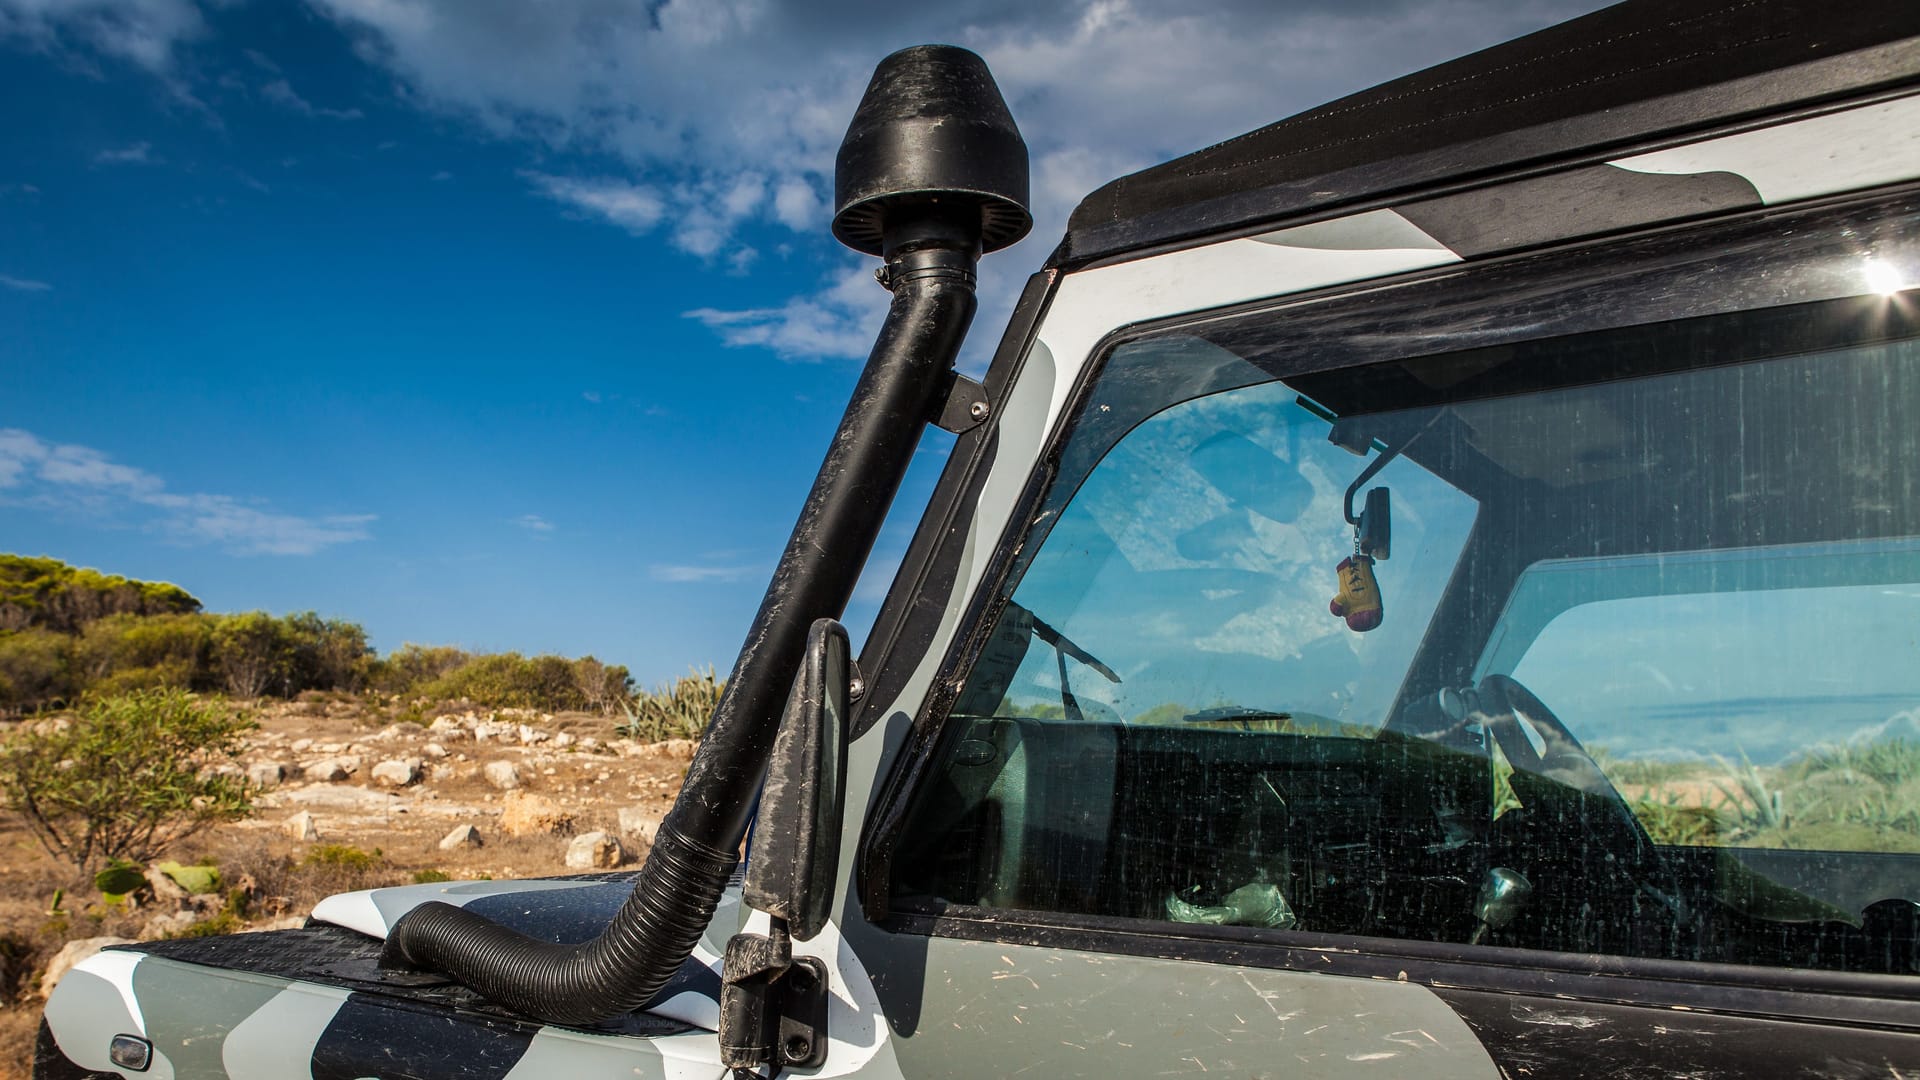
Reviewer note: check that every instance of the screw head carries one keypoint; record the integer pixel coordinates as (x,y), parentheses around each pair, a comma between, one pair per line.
(979,410)
(797,1048)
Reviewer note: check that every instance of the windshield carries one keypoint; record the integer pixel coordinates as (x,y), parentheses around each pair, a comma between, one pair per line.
(1196,564)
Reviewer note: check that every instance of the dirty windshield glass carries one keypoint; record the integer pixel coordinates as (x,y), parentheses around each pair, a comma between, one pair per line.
(1568,604)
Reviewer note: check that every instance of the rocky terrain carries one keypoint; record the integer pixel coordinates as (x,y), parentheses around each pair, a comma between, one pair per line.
(351,798)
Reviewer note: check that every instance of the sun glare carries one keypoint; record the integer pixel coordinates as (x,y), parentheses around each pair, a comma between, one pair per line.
(1884,278)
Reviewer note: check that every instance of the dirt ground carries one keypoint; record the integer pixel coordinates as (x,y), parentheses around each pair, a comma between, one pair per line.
(570,775)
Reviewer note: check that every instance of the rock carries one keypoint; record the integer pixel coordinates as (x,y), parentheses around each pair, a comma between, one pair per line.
(398,731)
(286,922)
(266,773)
(399,772)
(594,851)
(463,836)
(166,925)
(301,826)
(639,823)
(562,740)
(588,742)
(340,797)
(72,953)
(331,769)
(675,749)
(504,775)
(301,746)
(323,770)
(445,724)
(526,814)
(530,735)
(495,729)
(434,750)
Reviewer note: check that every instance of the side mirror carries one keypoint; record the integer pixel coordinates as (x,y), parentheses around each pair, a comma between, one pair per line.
(796,834)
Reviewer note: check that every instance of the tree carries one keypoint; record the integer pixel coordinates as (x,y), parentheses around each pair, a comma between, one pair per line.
(33,669)
(604,686)
(252,653)
(48,593)
(127,778)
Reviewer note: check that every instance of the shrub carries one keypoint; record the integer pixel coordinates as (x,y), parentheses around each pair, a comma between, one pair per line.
(343,857)
(142,652)
(430,877)
(411,666)
(511,681)
(33,669)
(253,653)
(127,778)
(676,710)
(604,686)
(325,654)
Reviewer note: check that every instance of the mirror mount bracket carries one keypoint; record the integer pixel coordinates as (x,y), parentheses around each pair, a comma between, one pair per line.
(773,1005)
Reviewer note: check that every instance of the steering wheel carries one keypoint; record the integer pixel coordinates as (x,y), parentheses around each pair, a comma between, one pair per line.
(1548,762)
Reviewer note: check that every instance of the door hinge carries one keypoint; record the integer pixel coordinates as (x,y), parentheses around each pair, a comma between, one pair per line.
(773,1005)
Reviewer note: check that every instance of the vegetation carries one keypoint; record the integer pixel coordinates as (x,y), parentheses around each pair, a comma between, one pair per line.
(69,635)
(50,595)
(676,710)
(1852,797)
(128,777)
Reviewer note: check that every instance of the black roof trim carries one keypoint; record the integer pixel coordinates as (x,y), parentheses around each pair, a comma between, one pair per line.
(1628,74)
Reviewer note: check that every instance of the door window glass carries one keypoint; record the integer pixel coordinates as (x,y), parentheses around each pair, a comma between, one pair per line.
(1620,659)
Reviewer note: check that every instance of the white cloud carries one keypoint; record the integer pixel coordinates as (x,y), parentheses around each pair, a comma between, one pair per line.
(66,476)
(709,120)
(23,284)
(145,33)
(837,322)
(632,207)
(534,523)
(1100,87)
(699,575)
(281,92)
(140,153)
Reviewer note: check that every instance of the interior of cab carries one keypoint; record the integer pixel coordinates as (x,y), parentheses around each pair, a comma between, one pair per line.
(1645,679)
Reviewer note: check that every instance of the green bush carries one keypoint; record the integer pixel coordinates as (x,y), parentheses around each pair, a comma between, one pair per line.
(411,666)
(511,681)
(34,669)
(343,857)
(126,778)
(143,652)
(325,654)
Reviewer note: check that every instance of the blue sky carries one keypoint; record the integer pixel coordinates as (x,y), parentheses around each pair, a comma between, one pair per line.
(517,326)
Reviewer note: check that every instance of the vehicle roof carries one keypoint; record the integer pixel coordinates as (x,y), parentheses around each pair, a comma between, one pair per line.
(1624,76)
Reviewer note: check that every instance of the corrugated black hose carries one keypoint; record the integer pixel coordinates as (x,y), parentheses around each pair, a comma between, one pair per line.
(931,274)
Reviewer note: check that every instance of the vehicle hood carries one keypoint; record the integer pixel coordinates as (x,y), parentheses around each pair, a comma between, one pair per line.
(558,910)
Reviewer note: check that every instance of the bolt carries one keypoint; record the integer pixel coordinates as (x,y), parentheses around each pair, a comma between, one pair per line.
(856,689)
(798,1048)
(979,410)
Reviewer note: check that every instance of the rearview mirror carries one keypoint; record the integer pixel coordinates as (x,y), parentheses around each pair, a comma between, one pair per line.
(796,833)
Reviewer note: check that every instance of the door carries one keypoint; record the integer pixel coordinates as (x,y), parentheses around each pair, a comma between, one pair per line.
(1581,750)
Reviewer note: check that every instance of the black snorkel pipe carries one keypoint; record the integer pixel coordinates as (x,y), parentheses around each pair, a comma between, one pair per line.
(931,175)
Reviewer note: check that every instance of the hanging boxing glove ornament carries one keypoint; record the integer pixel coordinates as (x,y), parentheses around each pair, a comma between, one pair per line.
(1358,600)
